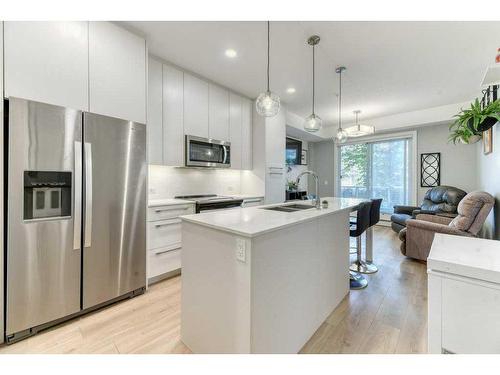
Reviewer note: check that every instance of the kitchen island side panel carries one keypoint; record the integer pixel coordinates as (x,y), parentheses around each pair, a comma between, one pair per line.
(299,275)
(215,312)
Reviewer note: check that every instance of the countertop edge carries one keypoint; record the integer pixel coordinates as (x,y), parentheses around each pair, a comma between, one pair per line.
(259,233)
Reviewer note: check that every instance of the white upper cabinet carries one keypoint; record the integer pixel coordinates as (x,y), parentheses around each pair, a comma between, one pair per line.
(246,134)
(47,62)
(195,106)
(155,112)
(235,102)
(218,113)
(117,72)
(173,116)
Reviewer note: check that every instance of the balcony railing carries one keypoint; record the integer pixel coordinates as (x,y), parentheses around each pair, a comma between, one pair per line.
(392,195)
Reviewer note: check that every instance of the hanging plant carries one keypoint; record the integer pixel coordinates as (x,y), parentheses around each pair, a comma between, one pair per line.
(472,122)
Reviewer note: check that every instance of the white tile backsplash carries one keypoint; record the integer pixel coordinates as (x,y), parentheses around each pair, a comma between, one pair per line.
(167,182)
(292,173)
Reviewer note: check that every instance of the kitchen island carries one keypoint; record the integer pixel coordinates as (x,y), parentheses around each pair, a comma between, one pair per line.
(256,280)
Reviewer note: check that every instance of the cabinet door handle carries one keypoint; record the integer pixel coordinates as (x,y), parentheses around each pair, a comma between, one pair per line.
(176,221)
(170,209)
(279,168)
(168,250)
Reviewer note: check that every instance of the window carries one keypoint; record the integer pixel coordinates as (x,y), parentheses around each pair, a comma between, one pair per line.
(378,169)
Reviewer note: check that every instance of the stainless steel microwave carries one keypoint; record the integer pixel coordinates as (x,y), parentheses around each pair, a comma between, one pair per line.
(205,152)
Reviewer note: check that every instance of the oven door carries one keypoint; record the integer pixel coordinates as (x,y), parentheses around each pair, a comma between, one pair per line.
(203,152)
(218,206)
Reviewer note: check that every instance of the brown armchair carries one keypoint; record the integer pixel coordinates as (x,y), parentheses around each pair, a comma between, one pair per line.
(419,233)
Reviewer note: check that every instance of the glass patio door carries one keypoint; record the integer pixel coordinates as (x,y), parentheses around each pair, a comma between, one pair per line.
(379,169)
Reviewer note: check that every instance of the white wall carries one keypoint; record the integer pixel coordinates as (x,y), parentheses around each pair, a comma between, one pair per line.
(458,162)
(488,179)
(167,182)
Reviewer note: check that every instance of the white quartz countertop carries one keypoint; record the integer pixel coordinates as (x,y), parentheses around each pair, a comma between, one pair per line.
(465,256)
(254,221)
(167,202)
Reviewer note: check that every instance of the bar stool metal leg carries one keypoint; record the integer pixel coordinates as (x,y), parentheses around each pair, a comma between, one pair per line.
(359,265)
(369,247)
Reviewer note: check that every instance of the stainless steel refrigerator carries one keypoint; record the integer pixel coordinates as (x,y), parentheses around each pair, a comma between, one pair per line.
(76,214)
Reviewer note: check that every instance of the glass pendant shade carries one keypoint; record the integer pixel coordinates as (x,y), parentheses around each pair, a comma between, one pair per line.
(341,136)
(312,123)
(359,130)
(267,104)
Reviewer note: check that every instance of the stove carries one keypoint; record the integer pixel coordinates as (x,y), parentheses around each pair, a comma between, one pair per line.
(212,202)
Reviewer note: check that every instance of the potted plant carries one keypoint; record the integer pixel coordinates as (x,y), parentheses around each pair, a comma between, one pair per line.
(292,185)
(471,122)
(463,134)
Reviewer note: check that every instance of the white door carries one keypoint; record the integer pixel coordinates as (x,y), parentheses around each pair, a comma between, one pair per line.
(155,112)
(235,102)
(47,62)
(117,66)
(195,106)
(218,113)
(246,134)
(173,116)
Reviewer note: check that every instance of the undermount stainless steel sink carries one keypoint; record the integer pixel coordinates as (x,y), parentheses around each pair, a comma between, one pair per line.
(289,207)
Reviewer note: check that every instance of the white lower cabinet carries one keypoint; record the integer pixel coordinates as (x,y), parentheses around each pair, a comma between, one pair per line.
(164,240)
(463,295)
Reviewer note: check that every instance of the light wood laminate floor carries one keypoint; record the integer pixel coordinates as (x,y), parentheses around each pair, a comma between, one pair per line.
(389,316)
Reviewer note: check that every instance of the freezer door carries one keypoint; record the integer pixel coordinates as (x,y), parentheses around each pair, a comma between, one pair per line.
(114,254)
(43,251)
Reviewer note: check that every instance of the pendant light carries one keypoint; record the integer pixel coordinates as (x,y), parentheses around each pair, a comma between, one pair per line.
(341,135)
(313,122)
(359,130)
(267,103)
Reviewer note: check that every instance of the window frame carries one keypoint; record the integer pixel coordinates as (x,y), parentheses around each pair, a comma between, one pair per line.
(412,165)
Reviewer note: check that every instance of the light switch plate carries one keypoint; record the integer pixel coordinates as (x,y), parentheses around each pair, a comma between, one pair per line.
(241,250)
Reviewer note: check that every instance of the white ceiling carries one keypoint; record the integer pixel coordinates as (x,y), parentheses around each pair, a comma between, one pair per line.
(392,67)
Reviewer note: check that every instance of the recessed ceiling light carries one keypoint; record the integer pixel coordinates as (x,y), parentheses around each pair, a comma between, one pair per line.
(290,90)
(231,53)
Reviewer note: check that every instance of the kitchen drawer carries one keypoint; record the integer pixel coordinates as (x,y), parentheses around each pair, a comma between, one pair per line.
(169,212)
(161,261)
(164,233)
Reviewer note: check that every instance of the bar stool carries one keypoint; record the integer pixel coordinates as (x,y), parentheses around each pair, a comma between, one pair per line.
(373,216)
(356,280)
(374,219)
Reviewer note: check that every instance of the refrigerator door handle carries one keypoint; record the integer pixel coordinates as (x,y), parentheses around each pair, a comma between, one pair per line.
(77,210)
(88,194)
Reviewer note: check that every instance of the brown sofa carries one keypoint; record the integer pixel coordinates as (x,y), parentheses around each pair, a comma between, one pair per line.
(419,233)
